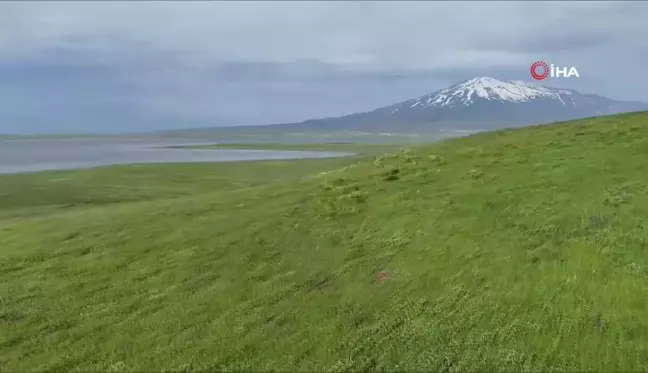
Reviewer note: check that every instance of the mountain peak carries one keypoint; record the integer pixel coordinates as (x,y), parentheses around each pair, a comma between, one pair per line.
(483,80)
(468,92)
(504,90)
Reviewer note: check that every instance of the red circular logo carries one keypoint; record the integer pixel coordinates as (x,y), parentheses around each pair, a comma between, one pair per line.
(534,70)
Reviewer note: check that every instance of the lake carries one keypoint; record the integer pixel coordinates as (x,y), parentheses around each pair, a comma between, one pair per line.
(18,156)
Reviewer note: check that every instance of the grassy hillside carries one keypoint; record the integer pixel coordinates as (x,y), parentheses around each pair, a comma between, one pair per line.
(509,251)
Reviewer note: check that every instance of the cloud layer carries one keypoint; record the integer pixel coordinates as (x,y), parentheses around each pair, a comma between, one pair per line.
(123,66)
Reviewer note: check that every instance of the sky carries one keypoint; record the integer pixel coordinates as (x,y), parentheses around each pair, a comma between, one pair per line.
(92,67)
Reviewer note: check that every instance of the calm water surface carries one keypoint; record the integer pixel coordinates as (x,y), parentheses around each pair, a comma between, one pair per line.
(39,155)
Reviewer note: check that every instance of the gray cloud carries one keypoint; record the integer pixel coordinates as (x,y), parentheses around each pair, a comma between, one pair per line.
(213,63)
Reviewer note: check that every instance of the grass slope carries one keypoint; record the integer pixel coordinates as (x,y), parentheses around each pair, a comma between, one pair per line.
(513,250)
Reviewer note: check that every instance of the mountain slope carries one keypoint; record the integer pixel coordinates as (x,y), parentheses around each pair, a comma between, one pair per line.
(477,104)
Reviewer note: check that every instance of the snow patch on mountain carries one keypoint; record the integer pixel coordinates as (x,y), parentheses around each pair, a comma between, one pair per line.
(485,88)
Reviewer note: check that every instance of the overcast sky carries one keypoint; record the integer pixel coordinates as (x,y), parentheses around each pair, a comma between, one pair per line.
(124,66)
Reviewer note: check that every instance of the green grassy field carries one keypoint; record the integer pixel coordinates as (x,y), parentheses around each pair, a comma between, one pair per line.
(506,251)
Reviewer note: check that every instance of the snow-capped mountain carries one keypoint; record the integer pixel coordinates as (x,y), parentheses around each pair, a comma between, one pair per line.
(479,104)
(470,91)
